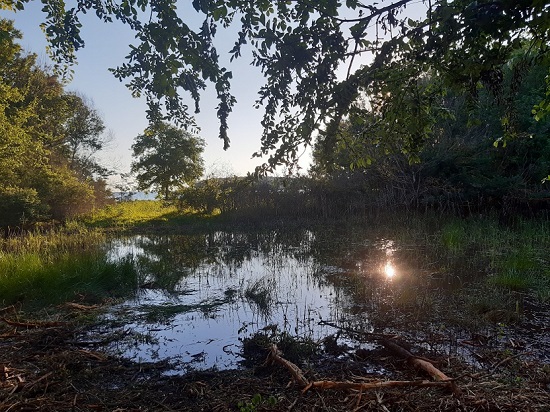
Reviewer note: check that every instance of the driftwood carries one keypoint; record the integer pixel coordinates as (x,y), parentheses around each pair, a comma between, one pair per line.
(441,380)
(295,371)
(422,364)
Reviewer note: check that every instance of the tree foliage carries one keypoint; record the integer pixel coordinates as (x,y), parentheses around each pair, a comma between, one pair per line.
(38,144)
(167,158)
(470,162)
(318,57)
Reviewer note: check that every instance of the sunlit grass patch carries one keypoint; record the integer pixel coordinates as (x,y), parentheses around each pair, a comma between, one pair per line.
(130,214)
(72,236)
(148,214)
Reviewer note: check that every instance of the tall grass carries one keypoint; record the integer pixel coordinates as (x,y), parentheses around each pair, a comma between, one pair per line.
(67,264)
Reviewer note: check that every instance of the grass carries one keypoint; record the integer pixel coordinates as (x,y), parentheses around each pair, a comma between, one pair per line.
(125,214)
(146,216)
(516,257)
(66,264)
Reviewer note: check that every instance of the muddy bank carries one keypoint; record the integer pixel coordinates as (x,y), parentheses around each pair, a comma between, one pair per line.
(45,366)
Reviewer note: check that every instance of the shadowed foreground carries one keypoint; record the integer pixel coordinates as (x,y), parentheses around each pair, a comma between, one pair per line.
(44,366)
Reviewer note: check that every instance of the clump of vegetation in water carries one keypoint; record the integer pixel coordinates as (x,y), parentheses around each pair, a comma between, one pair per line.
(259,293)
(255,348)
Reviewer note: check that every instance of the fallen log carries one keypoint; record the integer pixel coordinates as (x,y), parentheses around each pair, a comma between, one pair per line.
(422,364)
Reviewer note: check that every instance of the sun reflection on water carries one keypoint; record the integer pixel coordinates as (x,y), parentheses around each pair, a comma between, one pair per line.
(389,270)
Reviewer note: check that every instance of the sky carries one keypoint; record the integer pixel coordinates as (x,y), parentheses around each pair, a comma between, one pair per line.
(106,45)
(124,116)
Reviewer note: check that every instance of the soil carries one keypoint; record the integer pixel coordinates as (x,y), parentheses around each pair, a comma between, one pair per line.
(44,366)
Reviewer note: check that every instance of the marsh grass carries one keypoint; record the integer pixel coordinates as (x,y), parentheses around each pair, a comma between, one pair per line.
(454,236)
(37,282)
(259,293)
(66,264)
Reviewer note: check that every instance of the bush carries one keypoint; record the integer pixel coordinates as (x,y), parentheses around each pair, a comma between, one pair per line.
(19,206)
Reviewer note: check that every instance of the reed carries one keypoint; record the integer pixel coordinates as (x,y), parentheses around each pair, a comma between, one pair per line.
(66,264)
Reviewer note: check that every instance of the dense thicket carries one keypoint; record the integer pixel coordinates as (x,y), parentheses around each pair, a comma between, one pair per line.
(47,141)
(491,152)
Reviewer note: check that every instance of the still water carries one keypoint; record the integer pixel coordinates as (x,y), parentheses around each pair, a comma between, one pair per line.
(198,296)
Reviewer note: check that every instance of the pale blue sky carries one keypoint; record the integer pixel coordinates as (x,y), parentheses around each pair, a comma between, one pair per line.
(107,45)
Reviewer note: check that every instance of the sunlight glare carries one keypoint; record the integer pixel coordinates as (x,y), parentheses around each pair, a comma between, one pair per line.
(389,270)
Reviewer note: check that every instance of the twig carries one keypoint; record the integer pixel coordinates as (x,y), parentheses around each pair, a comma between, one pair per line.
(371,335)
(509,358)
(33,325)
(371,385)
(7,309)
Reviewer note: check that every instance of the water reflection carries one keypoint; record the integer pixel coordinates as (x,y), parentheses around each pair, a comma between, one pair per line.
(199,294)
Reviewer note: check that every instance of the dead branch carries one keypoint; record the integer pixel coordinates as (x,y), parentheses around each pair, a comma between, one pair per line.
(370,385)
(298,376)
(33,325)
(78,306)
(7,309)
(369,335)
(295,371)
(422,364)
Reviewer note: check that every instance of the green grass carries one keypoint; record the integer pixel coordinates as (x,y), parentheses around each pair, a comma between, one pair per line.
(515,257)
(36,282)
(124,214)
(454,236)
(146,215)
(67,264)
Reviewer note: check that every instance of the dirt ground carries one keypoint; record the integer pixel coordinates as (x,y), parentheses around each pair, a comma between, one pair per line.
(44,367)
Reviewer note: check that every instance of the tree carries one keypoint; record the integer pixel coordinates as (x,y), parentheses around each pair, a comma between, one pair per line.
(83,137)
(167,158)
(36,178)
(468,164)
(300,46)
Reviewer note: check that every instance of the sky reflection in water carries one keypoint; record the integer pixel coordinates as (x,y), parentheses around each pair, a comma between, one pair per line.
(200,294)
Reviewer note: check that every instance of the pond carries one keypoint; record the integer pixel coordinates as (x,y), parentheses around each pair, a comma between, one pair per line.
(200,295)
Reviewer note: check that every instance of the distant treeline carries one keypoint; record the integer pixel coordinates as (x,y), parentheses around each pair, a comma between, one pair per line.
(357,194)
